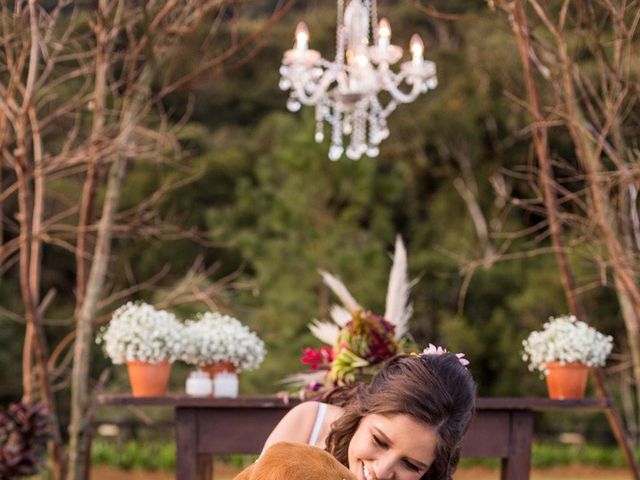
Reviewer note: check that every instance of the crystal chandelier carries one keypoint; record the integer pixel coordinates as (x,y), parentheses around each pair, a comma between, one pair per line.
(345,92)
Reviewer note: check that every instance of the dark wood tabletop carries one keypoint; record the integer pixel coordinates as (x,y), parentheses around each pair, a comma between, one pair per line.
(501,428)
(482,403)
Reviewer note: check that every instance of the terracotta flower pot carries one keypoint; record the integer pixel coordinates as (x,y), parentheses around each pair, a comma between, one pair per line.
(566,381)
(214,368)
(148,379)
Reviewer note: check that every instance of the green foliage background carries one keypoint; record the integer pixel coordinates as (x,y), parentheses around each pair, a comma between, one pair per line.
(277,209)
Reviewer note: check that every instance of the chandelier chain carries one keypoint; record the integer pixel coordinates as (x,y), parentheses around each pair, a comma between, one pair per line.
(340,34)
(373,7)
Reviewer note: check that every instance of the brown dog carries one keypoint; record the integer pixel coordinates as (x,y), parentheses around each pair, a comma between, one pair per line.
(295,461)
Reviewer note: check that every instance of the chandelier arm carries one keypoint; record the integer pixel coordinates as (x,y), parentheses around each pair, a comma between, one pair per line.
(383,112)
(398,94)
(319,91)
(391,106)
(325,63)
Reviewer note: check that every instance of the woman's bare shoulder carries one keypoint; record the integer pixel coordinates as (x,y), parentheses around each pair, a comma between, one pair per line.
(296,425)
(305,413)
(333,413)
(310,408)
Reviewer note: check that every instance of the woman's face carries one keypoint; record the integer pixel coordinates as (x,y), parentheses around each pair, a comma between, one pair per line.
(391,447)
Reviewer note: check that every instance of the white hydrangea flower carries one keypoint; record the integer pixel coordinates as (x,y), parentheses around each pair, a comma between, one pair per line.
(565,340)
(137,331)
(215,337)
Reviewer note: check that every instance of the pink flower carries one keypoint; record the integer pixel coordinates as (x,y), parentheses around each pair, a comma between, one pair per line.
(433,350)
(323,356)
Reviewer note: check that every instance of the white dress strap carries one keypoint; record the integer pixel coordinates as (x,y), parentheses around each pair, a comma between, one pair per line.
(317,426)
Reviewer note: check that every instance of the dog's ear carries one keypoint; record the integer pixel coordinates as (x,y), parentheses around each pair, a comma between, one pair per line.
(246,473)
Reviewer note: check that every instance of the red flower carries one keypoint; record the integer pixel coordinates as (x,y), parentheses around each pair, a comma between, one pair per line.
(382,344)
(323,356)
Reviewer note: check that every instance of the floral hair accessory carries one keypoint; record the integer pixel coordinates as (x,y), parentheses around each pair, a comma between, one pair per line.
(433,350)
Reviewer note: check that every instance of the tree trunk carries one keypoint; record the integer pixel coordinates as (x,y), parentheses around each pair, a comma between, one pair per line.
(618,249)
(603,213)
(35,339)
(539,133)
(79,427)
(89,188)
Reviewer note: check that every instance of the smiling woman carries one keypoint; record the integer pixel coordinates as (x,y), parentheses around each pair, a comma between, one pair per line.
(406,424)
(384,442)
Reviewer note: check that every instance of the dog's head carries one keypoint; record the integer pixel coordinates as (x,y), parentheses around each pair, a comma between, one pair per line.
(295,461)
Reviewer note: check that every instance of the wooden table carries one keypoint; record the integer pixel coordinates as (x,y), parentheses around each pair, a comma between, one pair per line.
(502,428)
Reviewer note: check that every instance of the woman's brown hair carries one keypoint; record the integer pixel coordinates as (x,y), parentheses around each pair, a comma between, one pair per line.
(434,389)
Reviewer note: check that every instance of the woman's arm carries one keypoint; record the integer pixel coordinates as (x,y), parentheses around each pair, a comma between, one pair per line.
(295,426)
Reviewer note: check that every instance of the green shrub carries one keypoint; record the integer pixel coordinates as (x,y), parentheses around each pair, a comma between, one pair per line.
(546,455)
(135,455)
(479,462)
(157,455)
(238,461)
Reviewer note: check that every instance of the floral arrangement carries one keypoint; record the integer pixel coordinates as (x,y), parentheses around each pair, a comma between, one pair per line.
(137,331)
(214,337)
(565,339)
(357,341)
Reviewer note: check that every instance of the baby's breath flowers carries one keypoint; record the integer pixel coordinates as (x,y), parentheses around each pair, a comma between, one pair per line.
(137,331)
(565,339)
(214,337)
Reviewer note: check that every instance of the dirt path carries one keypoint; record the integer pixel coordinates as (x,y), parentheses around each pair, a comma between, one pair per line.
(223,472)
(576,472)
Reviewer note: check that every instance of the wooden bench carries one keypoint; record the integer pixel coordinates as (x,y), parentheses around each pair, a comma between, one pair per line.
(502,428)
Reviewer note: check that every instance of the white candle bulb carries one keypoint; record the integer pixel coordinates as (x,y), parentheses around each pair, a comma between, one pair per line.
(360,60)
(302,37)
(417,47)
(384,33)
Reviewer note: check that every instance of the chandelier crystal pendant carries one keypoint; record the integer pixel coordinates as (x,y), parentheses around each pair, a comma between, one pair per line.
(345,92)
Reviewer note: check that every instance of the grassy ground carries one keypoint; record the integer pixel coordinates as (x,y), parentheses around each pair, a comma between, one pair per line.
(156,461)
(223,472)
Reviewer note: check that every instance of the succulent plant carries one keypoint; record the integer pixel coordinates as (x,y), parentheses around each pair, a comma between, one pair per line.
(24,432)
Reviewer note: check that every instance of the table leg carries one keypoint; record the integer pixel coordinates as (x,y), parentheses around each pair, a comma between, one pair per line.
(186,443)
(205,466)
(517,465)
